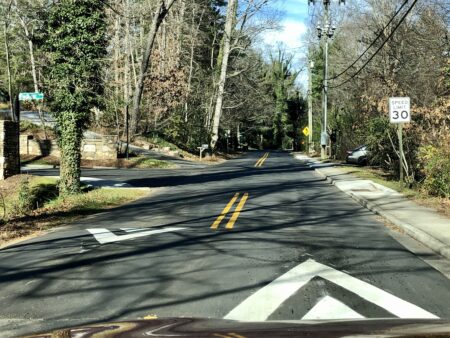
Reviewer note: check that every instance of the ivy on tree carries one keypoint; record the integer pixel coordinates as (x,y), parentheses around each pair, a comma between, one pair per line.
(74,37)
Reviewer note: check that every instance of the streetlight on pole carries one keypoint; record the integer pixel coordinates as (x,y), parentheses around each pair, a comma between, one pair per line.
(326,31)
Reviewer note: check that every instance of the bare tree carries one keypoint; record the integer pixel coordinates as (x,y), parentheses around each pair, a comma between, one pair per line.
(229,26)
(158,17)
(7,10)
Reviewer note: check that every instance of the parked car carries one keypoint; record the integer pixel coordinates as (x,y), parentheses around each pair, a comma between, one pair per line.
(358,155)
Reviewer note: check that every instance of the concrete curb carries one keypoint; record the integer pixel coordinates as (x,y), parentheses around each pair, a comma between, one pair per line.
(419,235)
(103,184)
(125,188)
(38,166)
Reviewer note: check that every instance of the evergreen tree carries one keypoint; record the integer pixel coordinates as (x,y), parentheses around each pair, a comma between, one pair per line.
(282,81)
(75,39)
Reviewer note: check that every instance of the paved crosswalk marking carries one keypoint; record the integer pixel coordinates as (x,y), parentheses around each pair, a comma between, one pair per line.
(330,308)
(260,305)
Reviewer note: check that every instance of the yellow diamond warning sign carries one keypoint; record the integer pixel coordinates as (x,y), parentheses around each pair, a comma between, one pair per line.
(306,131)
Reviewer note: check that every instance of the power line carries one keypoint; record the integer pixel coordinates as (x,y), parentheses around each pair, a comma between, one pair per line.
(379,48)
(291,48)
(373,42)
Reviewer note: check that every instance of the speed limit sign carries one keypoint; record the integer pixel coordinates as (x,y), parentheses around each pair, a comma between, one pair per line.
(399,110)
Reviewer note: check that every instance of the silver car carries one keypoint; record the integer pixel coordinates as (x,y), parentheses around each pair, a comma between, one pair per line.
(358,155)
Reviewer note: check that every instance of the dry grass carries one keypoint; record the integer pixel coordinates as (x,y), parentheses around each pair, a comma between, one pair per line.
(53,210)
(217,157)
(139,162)
(441,204)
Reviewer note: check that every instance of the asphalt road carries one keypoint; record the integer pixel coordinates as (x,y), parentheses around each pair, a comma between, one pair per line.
(288,246)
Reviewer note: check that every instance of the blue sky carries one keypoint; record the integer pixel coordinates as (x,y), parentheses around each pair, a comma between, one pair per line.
(293,24)
(296,10)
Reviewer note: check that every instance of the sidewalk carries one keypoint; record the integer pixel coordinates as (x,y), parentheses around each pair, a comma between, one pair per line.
(423,224)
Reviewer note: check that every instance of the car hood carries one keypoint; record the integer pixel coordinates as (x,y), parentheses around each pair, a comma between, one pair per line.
(195,327)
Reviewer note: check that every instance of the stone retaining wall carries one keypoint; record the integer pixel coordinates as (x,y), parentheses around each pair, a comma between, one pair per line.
(32,146)
(104,148)
(9,149)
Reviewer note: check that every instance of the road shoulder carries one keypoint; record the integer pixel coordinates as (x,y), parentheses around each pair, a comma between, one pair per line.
(421,223)
(46,211)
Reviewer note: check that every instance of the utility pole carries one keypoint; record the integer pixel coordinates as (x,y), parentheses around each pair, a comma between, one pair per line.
(325,85)
(327,31)
(310,101)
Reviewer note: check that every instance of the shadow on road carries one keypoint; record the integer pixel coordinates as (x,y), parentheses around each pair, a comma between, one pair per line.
(291,215)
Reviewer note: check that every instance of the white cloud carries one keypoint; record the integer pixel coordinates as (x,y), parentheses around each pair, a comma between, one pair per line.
(292,38)
(290,34)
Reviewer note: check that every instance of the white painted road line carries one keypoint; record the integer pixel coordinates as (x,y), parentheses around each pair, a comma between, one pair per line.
(131,229)
(387,301)
(104,236)
(330,308)
(260,305)
(100,182)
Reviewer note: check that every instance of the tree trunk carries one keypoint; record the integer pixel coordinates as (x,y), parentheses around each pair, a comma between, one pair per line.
(34,74)
(163,48)
(180,30)
(126,72)
(116,72)
(32,62)
(229,24)
(126,84)
(158,17)
(191,59)
(133,65)
(69,144)
(8,69)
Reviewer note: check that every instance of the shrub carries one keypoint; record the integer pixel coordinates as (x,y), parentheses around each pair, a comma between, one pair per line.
(435,166)
(28,126)
(3,207)
(382,153)
(382,138)
(25,199)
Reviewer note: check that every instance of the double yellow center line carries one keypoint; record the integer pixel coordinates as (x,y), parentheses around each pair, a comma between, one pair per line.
(260,162)
(227,208)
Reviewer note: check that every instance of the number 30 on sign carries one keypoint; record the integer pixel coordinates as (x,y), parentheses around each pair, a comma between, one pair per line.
(399,110)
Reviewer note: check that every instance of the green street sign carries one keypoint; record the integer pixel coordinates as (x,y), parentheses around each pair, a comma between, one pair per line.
(31,96)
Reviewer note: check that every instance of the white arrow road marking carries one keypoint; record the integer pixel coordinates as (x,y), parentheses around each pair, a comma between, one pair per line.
(104,236)
(260,305)
(131,229)
(330,308)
